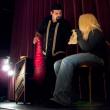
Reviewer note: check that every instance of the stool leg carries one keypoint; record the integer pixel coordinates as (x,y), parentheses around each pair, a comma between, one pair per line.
(105,92)
(80,92)
(90,87)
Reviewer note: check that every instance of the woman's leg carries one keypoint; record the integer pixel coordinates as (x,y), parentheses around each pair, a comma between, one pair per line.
(57,66)
(63,89)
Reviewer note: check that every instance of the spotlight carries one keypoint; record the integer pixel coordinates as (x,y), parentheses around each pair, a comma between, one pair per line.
(6,61)
(6,67)
(11,73)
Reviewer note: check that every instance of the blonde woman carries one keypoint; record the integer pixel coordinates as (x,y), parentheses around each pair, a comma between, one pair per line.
(91,41)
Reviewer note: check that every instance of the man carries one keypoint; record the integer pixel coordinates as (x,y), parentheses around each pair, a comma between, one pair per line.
(55,32)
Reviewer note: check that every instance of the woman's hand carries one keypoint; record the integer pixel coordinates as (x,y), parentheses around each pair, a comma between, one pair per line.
(73,38)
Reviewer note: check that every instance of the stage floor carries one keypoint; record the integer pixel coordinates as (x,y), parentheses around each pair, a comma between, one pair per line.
(79,106)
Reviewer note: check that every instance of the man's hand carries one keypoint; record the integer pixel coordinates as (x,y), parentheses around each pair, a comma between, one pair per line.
(36,38)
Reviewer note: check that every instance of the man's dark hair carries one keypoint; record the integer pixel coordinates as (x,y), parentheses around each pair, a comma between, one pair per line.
(56,6)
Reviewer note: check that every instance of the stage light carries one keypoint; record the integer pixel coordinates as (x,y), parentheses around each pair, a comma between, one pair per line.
(7,60)
(6,67)
(11,73)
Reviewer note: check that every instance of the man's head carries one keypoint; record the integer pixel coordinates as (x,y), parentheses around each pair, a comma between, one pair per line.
(56,12)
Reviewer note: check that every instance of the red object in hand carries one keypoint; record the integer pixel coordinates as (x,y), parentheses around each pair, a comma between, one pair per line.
(39,65)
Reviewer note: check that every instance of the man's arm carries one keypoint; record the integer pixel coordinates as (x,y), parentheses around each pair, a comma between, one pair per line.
(39,32)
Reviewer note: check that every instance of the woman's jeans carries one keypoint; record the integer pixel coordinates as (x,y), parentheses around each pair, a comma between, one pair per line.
(64,70)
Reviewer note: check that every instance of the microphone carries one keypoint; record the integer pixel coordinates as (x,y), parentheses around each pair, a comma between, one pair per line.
(59,18)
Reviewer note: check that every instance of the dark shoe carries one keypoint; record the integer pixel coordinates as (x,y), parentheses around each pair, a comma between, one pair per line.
(53,104)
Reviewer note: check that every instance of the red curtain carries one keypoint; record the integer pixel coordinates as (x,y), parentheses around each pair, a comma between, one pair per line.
(29,14)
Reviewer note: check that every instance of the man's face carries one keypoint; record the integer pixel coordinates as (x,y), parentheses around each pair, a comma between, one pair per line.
(56,15)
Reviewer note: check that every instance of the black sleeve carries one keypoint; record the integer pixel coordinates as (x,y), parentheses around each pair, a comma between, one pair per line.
(93,40)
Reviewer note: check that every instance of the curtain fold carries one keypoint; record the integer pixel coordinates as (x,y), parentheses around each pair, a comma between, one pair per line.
(30,13)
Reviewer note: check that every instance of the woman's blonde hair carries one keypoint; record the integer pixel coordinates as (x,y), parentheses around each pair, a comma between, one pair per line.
(87,23)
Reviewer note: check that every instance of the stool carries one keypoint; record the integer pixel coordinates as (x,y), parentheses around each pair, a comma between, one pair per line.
(90,66)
